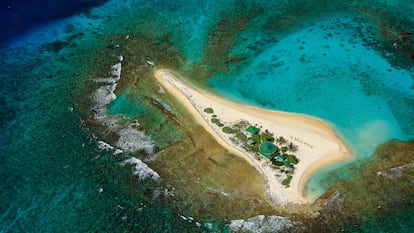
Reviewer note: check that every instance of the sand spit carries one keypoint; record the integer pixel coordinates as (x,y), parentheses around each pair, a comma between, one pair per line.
(318,144)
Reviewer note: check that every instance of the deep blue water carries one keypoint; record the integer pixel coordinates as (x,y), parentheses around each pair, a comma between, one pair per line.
(19,16)
(50,168)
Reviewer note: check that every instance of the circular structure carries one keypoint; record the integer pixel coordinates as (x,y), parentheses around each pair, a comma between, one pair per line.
(267,149)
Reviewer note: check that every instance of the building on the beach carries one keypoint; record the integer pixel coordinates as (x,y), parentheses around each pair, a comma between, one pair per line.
(251,130)
(267,150)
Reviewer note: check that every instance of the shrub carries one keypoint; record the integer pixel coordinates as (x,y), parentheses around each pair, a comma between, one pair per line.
(208,110)
(241,125)
(217,122)
(229,130)
(277,163)
(241,137)
(255,148)
(292,159)
(256,139)
(286,181)
(267,138)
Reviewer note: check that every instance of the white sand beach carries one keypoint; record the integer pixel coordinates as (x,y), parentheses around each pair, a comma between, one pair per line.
(318,144)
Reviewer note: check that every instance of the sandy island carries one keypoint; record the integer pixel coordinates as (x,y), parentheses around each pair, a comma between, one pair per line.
(318,144)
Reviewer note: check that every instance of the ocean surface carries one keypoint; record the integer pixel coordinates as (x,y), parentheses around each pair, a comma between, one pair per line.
(350,64)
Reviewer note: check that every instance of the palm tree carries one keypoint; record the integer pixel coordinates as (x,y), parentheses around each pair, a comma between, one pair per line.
(292,147)
(281,140)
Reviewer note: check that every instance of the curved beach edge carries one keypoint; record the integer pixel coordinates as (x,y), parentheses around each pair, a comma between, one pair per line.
(318,144)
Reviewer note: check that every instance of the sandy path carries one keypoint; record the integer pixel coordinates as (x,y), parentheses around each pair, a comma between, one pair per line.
(318,143)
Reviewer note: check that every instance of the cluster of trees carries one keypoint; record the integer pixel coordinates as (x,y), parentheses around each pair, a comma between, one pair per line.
(214,118)
(285,145)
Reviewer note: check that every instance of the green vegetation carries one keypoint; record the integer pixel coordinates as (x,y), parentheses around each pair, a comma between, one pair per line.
(267,138)
(241,137)
(292,147)
(281,140)
(284,160)
(255,148)
(292,159)
(209,110)
(286,182)
(256,139)
(229,130)
(277,163)
(241,125)
(217,122)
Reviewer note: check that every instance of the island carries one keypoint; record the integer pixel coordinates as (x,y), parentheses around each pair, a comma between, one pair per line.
(315,142)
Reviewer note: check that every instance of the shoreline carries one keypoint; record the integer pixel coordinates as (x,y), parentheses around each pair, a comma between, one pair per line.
(318,144)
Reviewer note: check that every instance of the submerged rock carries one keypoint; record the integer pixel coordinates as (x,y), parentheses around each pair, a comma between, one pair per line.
(332,206)
(395,172)
(263,223)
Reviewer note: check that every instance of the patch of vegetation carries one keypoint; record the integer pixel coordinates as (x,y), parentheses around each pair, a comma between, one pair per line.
(281,140)
(292,147)
(209,110)
(229,130)
(286,182)
(277,163)
(267,138)
(255,148)
(241,137)
(241,125)
(257,139)
(292,159)
(214,115)
(217,122)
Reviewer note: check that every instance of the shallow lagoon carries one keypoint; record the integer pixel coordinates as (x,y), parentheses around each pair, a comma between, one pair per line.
(328,68)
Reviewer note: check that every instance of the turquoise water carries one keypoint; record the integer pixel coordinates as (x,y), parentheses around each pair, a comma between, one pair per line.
(56,179)
(329,69)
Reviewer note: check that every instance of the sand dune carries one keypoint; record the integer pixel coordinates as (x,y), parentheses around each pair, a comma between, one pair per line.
(318,144)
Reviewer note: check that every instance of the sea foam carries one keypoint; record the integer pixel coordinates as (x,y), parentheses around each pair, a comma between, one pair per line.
(130,139)
(141,169)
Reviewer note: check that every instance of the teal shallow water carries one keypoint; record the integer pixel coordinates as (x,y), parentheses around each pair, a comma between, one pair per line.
(52,171)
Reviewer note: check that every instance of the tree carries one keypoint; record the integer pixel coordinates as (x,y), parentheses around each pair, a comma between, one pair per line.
(286,181)
(292,147)
(208,110)
(281,140)
(292,159)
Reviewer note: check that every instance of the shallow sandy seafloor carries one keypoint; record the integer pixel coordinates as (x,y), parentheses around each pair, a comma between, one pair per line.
(60,178)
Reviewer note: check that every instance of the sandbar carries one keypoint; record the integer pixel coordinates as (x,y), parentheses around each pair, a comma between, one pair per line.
(318,144)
